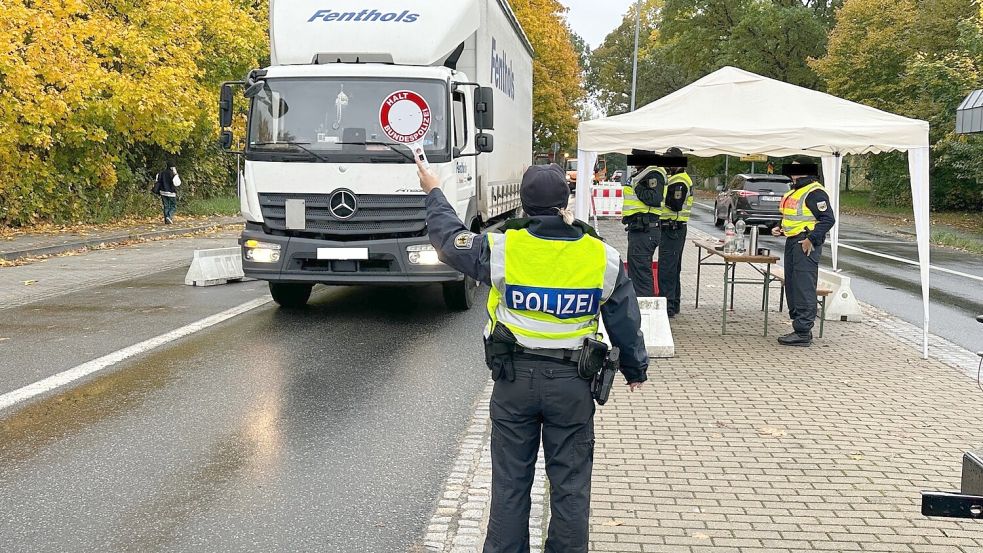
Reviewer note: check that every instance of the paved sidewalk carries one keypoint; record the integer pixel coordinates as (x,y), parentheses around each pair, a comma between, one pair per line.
(740,445)
(19,246)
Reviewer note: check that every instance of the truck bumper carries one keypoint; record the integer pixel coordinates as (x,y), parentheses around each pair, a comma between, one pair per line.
(388,262)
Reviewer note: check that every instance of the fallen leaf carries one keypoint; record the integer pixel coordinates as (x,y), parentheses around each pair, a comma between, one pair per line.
(4,339)
(857,456)
(30,282)
(722,424)
(771,431)
(614,522)
(701,536)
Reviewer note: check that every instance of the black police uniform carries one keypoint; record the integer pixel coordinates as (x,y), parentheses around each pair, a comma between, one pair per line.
(644,236)
(546,399)
(801,270)
(671,261)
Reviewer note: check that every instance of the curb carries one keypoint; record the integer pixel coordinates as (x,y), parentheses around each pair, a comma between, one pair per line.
(110,240)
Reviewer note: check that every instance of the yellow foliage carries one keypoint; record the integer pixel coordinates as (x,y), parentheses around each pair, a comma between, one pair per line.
(84,84)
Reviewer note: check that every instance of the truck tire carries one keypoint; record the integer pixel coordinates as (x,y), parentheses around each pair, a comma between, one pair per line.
(460,296)
(291,295)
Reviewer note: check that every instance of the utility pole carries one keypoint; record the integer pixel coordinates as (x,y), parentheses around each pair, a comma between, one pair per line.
(634,69)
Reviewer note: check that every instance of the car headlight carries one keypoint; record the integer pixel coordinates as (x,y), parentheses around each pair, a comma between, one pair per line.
(261,252)
(422,254)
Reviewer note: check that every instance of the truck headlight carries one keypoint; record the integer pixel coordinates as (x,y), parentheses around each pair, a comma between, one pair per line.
(261,252)
(422,254)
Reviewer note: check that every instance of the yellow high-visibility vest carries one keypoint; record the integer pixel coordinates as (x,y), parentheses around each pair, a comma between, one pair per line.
(667,214)
(796,215)
(633,205)
(549,292)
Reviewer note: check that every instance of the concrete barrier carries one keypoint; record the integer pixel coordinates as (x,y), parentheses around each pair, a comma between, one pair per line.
(213,267)
(655,327)
(842,305)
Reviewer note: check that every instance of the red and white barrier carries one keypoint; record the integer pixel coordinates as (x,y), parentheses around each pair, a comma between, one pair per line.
(607,200)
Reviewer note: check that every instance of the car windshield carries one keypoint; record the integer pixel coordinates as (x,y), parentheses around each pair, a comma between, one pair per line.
(766,186)
(333,118)
(571,165)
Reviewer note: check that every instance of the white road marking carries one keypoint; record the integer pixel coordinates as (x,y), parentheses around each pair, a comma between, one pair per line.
(63,378)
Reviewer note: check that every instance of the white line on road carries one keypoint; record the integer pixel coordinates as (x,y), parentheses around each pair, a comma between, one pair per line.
(96,365)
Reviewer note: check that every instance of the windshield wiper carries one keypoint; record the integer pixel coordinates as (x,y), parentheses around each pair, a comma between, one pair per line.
(409,157)
(301,145)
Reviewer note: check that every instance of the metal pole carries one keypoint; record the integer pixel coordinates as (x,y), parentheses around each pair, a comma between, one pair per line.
(634,69)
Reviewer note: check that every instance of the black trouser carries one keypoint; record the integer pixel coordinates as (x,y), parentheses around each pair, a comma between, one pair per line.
(546,399)
(671,263)
(641,249)
(801,278)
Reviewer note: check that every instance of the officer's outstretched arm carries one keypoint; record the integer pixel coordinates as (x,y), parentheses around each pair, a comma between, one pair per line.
(455,244)
(623,321)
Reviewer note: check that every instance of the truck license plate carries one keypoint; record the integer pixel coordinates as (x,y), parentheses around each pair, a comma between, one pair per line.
(343,254)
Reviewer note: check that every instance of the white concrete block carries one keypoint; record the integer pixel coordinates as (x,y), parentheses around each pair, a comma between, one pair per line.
(213,267)
(841,305)
(655,327)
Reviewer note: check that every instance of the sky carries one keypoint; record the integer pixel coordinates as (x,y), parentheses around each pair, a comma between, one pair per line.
(594,19)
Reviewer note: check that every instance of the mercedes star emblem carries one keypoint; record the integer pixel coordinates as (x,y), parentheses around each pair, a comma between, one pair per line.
(343,204)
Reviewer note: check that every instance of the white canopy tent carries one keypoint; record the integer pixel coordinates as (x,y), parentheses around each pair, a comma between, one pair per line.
(735,112)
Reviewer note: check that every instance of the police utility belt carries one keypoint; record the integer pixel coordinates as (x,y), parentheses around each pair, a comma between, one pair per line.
(595,361)
(669,223)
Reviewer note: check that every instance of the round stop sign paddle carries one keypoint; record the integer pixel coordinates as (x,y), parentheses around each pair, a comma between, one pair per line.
(405,118)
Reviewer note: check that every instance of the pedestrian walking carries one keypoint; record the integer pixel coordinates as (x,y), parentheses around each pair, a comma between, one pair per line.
(166,185)
(551,280)
(677,205)
(807,217)
(640,215)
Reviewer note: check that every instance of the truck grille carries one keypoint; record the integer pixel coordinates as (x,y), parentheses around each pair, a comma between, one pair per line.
(389,215)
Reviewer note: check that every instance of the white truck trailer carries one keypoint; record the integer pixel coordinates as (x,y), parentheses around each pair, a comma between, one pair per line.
(328,196)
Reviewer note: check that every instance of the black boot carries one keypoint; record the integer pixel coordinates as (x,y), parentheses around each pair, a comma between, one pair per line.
(796,339)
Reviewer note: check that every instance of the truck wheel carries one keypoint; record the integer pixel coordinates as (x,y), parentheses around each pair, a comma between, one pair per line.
(291,295)
(460,296)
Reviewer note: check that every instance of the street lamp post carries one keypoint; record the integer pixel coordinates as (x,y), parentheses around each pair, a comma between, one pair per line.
(634,68)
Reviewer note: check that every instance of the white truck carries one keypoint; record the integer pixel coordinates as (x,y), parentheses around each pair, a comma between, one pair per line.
(328,196)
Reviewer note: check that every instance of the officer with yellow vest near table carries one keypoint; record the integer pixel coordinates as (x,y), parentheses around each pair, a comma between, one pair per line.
(551,280)
(807,217)
(677,204)
(640,215)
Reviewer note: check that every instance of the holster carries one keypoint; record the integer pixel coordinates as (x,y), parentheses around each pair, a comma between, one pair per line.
(500,352)
(604,380)
(592,358)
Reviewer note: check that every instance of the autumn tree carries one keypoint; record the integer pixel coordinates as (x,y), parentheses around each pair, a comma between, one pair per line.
(557,83)
(92,93)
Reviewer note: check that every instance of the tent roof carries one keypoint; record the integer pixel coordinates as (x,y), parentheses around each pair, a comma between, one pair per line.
(732,111)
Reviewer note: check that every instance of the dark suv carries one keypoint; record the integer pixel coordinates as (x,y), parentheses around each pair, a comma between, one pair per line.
(755,198)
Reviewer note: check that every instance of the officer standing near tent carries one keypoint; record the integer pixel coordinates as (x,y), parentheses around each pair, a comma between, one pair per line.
(551,279)
(807,217)
(677,204)
(640,214)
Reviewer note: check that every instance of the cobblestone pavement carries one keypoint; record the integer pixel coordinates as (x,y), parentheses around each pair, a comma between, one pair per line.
(740,445)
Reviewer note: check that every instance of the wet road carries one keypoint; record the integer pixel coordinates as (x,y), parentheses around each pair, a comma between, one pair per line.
(328,429)
(896,287)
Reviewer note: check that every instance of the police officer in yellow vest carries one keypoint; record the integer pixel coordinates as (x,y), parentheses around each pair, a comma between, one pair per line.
(807,217)
(550,280)
(640,214)
(677,204)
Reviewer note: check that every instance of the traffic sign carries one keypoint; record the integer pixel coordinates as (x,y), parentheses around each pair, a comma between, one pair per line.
(755,157)
(405,118)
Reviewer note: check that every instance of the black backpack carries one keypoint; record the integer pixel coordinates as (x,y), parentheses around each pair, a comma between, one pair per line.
(676,194)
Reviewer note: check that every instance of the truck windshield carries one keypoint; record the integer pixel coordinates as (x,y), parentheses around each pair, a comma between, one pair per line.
(337,120)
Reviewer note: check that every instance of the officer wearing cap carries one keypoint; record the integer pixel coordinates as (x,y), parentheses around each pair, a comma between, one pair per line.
(677,204)
(640,215)
(551,278)
(806,219)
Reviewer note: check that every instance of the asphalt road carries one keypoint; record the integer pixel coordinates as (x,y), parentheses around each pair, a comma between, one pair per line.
(896,287)
(327,429)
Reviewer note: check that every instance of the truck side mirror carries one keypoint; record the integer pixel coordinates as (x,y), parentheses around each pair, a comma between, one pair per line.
(254,89)
(225,140)
(484,143)
(484,108)
(225,107)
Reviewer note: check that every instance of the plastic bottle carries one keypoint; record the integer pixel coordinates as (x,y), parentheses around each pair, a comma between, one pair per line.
(740,228)
(730,239)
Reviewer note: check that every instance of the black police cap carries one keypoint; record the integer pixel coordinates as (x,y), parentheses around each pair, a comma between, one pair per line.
(544,188)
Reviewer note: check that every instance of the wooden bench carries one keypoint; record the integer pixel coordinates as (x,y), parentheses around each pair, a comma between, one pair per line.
(821,294)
